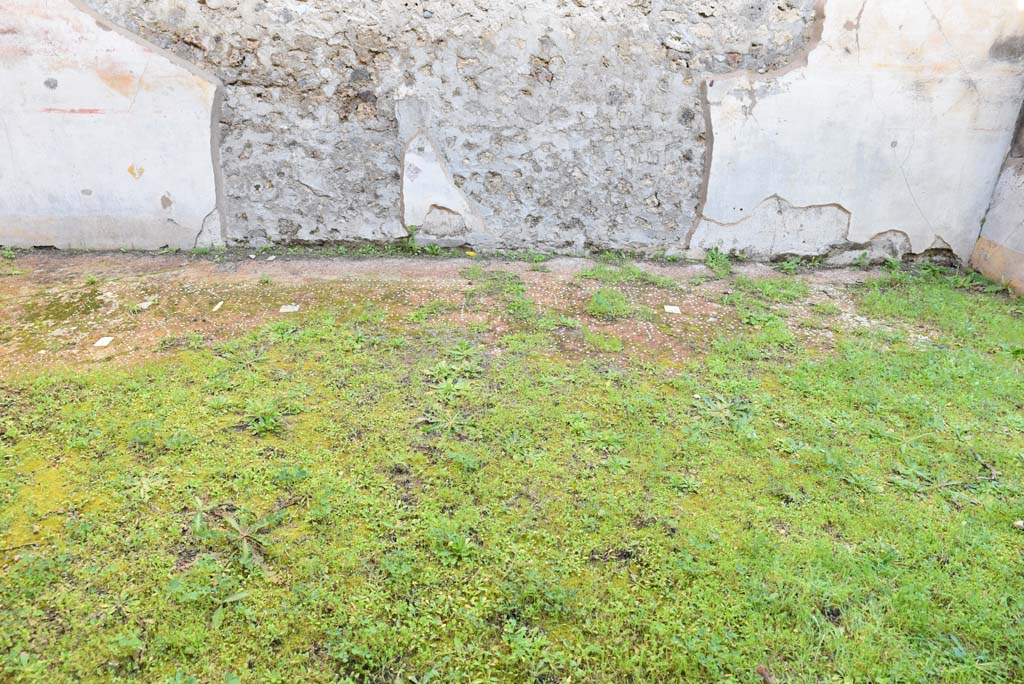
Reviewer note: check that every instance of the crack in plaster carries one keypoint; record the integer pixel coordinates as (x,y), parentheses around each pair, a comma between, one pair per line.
(855,27)
(776,220)
(942,32)
(790,205)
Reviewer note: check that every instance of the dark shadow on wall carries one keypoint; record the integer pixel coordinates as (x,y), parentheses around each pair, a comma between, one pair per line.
(1017,146)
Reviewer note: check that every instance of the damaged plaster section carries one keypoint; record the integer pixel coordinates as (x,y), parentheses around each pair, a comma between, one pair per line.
(568,125)
(110,141)
(430,201)
(776,227)
(894,130)
(433,206)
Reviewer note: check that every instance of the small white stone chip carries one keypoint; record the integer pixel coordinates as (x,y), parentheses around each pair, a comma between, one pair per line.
(672,309)
(216,307)
(145,305)
(252,256)
(289,308)
(103,341)
(271,257)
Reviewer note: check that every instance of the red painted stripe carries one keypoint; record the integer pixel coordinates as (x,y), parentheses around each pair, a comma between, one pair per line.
(52,110)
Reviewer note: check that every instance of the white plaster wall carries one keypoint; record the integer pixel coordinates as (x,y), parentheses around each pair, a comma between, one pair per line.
(1004,223)
(105,142)
(902,117)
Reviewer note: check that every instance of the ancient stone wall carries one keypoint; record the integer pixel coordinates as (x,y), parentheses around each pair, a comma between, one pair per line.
(563,124)
(828,128)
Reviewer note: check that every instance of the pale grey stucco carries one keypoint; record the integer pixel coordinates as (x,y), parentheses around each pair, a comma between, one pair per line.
(1004,224)
(999,253)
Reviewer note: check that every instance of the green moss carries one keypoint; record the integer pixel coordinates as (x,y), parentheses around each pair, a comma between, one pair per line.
(62,307)
(348,495)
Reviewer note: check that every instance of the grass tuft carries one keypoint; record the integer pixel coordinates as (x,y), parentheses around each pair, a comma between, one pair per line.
(601,342)
(608,304)
(782,290)
(627,273)
(718,262)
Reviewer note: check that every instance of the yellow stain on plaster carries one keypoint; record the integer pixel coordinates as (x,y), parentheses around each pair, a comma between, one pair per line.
(123,83)
(136,171)
(1000,263)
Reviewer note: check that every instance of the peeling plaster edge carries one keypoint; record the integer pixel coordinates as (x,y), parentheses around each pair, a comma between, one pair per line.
(799,61)
(803,55)
(215,107)
(842,245)
(108,25)
(833,254)
(216,110)
(780,198)
(709,151)
(849,246)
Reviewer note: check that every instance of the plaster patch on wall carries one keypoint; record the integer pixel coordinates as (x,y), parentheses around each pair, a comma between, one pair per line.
(431,202)
(895,117)
(93,105)
(999,253)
